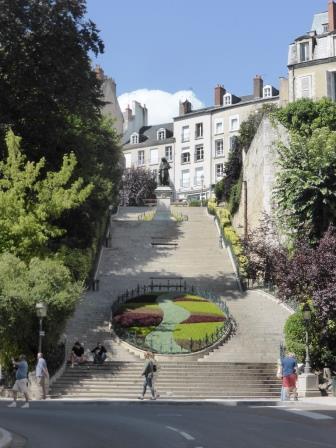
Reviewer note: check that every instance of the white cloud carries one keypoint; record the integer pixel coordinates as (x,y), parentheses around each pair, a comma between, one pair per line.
(162,106)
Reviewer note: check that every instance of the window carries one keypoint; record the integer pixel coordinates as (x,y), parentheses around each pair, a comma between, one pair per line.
(219,127)
(141,157)
(234,123)
(199,153)
(219,147)
(304,52)
(219,170)
(232,142)
(185,180)
(227,99)
(185,134)
(304,87)
(128,160)
(325,28)
(331,85)
(161,134)
(199,130)
(169,153)
(154,156)
(267,92)
(199,176)
(185,156)
(135,138)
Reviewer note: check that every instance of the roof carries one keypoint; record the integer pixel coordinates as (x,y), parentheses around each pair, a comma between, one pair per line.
(148,135)
(318,21)
(245,99)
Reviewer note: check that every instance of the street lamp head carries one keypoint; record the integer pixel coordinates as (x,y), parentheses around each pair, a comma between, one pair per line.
(306,312)
(41,309)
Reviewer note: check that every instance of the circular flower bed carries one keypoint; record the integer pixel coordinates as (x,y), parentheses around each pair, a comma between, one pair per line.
(170,322)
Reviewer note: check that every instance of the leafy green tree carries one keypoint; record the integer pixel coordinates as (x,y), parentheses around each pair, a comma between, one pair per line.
(139,184)
(306,184)
(21,287)
(305,115)
(45,69)
(30,201)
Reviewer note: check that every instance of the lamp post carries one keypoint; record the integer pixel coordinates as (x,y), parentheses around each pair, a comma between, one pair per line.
(307,318)
(202,182)
(123,178)
(41,311)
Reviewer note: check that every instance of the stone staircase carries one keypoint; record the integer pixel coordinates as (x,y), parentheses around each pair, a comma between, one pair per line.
(174,380)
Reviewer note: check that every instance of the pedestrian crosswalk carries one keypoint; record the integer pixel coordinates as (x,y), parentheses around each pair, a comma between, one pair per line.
(299,411)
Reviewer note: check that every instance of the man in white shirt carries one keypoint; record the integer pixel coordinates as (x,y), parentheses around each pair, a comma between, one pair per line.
(42,374)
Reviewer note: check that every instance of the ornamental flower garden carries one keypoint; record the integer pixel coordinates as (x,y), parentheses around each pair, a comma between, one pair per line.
(166,322)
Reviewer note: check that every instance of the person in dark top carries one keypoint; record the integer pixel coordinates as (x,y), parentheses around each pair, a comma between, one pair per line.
(148,373)
(77,354)
(289,376)
(99,354)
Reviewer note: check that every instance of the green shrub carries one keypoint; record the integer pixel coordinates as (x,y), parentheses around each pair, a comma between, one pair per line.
(322,340)
(212,206)
(235,194)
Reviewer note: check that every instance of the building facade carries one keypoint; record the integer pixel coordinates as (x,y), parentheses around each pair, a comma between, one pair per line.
(312,59)
(197,143)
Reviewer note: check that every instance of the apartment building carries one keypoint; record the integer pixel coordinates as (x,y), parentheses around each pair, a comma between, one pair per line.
(204,138)
(312,59)
(145,146)
(198,142)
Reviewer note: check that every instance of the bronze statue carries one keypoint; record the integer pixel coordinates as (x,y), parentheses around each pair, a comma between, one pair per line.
(164,172)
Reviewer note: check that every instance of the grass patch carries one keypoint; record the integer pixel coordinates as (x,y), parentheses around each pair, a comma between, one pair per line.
(185,332)
(195,307)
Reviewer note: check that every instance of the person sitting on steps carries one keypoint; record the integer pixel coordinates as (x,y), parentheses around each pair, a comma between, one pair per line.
(77,354)
(99,354)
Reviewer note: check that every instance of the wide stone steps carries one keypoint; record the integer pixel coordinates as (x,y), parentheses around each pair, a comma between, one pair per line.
(178,380)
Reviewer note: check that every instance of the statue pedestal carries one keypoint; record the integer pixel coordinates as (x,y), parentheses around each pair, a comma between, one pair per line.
(163,197)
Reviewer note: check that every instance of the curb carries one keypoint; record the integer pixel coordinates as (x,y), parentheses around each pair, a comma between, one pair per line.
(158,402)
(6,438)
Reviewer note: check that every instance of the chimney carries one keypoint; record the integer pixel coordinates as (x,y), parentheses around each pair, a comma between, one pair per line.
(331,15)
(99,73)
(283,91)
(258,85)
(219,94)
(184,107)
(127,114)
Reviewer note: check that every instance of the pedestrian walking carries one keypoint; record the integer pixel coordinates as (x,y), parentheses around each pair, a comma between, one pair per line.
(148,372)
(289,376)
(21,381)
(42,375)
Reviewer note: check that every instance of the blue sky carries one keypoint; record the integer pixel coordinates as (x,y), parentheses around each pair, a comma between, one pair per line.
(174,45)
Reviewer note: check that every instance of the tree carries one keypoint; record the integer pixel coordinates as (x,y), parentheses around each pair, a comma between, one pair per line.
(139,184)
(306,184)
(264,252)
(22,285)
(310,274)
(45,70)
(305,115)
(30,202)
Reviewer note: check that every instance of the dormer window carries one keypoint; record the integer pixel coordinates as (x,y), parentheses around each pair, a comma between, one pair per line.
(304,51)
(134,138)
(227,99)
(325,27)
(161,134)
(267,92)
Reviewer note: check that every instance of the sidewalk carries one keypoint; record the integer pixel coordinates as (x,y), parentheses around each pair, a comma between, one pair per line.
(5,438)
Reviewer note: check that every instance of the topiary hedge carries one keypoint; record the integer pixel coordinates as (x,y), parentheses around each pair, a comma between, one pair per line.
(230,234)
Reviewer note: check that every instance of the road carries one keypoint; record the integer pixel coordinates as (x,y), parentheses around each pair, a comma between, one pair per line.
(160,425)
